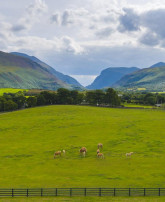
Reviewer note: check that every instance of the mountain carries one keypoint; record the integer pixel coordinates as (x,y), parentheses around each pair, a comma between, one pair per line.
(152,78)
(22,72)
(159,64)
(67,79)
(110,76)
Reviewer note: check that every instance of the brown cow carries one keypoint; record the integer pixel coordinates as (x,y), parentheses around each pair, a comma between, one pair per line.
(98,151)
(83,151)
(100,155)
(100,145)
(57,153)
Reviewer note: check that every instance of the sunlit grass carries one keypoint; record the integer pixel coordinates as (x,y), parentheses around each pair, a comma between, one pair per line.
(10,90)
(28,139)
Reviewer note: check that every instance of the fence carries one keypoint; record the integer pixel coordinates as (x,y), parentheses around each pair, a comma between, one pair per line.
(82,192)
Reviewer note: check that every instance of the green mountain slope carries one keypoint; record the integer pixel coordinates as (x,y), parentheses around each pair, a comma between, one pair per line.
(21,72)
(110,76)
(67,79)
(152,78)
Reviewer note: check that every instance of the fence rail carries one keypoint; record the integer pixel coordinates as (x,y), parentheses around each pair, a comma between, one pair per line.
(82,192)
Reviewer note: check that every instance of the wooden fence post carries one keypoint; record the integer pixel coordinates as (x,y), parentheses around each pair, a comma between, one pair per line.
(41,191)
(144,191)
(12,192)
(114,191)
(129,191)
(85,191)
(56,191)
(99,191)
(70,191)
(159,191)
(27,192)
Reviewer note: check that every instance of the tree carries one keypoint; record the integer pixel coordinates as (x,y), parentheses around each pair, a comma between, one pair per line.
(99,96)
(90,97)
(2,100)
(40,100)
(9,105)
(111,97)
(64,96)
(31,101)
(76,97)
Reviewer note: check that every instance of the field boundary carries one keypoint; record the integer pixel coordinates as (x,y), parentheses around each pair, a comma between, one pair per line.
(42,192)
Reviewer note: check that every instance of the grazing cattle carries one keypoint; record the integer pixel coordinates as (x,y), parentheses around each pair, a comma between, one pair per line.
(100,145)
(100,155)
(83,151)
(129,154)
(98,151)
(63,151)
(57,153)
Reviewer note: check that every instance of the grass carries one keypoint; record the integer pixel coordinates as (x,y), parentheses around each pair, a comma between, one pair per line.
(28,139)
(10,90)
(86,199)
(138,105)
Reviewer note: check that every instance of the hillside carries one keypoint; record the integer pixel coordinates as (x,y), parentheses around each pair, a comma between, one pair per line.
(21,72)
(110,76)
(30,137)
(152,78)
(67,79)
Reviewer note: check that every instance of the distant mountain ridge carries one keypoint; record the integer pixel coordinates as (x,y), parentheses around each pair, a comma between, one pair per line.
(65,78)
(152,78)
(22,72)
(110,76)
(159,64)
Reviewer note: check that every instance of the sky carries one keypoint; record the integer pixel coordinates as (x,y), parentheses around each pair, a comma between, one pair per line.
(82,37)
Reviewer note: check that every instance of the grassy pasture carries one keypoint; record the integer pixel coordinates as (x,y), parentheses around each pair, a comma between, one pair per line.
(10,90)
(28,139)
(138,105)
(86,199)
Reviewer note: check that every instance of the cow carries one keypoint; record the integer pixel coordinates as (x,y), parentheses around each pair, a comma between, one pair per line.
(100,155)
(100,145)
(98,151)
(57,153)
(129,154)
(83,151)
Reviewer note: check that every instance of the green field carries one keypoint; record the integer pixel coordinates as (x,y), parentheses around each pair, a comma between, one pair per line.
(10,90)
(86,199)
(28,139)
(138,105)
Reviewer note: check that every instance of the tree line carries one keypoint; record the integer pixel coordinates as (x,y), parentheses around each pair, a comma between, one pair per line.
(14,101)
(143,98)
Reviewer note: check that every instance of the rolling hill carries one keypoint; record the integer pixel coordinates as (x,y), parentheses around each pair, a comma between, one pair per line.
(152,78)
(110,76)
(23,73)
(67,79)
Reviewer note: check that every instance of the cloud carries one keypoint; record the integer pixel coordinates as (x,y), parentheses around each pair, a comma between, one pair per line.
(37,7)
(18,27)
(67,18)
(69,45)
(154,21)
(149,38)
(129,21)
(32,15)
(55,18)
(104,33)
(70,17)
